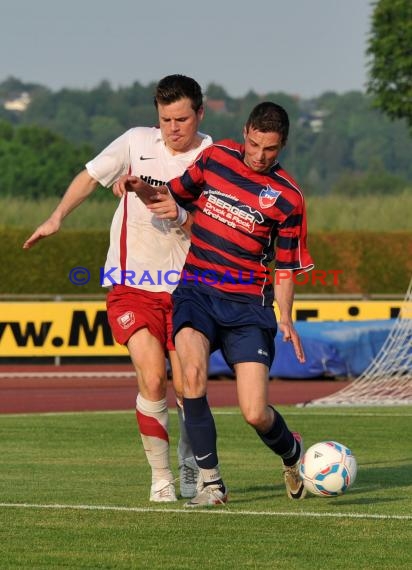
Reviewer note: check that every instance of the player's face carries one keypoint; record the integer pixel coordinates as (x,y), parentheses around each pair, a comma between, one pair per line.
(179,124)
(261,149)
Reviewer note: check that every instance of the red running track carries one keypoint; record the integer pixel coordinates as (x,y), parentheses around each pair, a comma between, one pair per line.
(28,389)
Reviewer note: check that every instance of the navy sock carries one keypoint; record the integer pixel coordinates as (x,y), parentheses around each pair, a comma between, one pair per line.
(201,429)
(281,441)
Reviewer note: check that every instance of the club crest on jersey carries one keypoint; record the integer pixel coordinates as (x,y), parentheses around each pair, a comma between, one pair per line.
(268,196)
(126,320)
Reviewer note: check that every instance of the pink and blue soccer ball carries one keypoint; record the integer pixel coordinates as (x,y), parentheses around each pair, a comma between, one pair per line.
(328,469)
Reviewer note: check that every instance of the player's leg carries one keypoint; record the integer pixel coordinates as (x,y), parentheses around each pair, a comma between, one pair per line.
(137,320)
(257,345)
(188,469)
(193,349)
(152,415)
(252,380)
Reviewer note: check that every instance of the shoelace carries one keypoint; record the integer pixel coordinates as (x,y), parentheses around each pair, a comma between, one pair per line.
(209,490)
(165,491)
(189,475)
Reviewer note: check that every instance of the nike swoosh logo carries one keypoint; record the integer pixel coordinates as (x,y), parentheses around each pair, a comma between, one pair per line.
(203,457)
(147,157)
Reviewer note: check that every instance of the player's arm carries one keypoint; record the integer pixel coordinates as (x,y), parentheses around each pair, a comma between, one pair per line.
(157,199)
(284,293)
(124,184)
(147,193)
(165,207)
(79,189)
(187,226)
(291,250)
(179,192)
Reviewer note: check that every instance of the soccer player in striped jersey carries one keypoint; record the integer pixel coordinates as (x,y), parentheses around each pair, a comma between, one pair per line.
(141,248)
(249,212)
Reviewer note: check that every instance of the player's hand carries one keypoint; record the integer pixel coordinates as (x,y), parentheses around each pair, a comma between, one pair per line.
(290,335)
(163,205)
(124,184)
(48,228)
(147,193)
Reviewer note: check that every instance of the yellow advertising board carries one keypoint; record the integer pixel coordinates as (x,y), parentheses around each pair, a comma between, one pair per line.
(344,310)
(56,328)
(80,328)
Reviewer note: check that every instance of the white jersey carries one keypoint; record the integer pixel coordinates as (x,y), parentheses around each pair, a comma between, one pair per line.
(144,252)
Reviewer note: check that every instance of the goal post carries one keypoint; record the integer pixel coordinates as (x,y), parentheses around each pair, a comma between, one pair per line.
(387,381)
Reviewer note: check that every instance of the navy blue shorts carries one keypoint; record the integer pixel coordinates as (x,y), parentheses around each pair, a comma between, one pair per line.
(243,332)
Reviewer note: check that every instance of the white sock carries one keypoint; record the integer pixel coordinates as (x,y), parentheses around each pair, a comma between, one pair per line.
(210,475)
(152,419)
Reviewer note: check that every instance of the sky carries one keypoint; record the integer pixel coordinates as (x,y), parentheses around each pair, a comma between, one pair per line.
(299,47)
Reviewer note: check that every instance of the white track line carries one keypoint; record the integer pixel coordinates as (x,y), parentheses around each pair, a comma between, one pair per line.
(220,511)
(35,375)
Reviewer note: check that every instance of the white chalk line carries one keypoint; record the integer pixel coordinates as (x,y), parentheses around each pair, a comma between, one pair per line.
(219,412)
(60,375)
(220,511)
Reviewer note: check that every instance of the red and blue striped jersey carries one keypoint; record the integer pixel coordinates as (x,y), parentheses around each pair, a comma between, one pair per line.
(243,220)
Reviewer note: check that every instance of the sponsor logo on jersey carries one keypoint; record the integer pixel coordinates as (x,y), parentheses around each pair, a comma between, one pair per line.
(126,320)
(147,157)
(233,215)
(268,197)
(152,181)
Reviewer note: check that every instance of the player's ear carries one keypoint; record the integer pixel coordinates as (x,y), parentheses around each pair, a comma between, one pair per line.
(201,113)
(244,132)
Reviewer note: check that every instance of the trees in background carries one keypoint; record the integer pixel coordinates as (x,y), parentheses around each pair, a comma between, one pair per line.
(390,49)
(338,143)
(35,162)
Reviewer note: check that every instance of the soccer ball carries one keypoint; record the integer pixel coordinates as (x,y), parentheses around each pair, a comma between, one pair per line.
(328,469)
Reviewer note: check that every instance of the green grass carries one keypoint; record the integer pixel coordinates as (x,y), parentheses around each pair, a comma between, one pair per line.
(92,214)
(330,213)
(365,213)
(92,465)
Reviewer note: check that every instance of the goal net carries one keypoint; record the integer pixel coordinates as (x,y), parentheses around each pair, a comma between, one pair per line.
(388,378)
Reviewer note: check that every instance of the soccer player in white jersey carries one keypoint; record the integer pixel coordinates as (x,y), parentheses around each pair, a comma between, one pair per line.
(143,264)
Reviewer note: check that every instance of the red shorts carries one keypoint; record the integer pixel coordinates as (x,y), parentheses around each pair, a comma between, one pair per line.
(130,309)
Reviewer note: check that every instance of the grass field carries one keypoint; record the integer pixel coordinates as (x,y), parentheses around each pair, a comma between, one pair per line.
(74,494)
(328,213)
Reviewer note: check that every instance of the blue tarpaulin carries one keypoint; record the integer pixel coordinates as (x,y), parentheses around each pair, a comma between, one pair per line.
(332,348)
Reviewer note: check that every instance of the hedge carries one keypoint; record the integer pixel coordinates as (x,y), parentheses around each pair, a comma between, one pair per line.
(367,262)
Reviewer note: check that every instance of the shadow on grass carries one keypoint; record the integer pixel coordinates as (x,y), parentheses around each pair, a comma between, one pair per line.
(271,496)
(363,501)
(256,493)
(389,461)
(384,477)
(369,480)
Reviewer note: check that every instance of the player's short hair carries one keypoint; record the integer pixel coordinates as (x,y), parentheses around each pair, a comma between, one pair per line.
(172,88)
(268,117)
